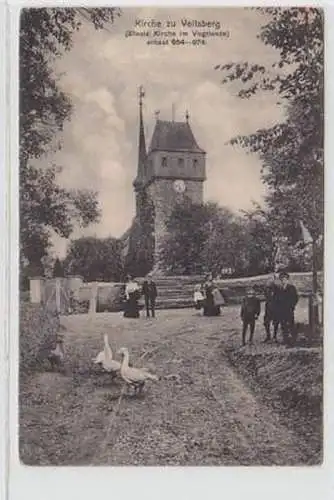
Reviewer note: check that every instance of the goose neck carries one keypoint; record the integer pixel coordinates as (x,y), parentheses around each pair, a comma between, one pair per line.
(107,347)
(126,359)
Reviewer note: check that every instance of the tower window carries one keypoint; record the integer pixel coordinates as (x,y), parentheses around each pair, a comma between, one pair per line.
(195,163)
(180,162)
(164,161)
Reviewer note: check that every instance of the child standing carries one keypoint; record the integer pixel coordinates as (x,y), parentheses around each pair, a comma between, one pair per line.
(250,311)
(198,297)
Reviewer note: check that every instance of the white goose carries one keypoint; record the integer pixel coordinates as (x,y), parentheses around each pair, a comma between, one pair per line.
(134,377)
(105,359)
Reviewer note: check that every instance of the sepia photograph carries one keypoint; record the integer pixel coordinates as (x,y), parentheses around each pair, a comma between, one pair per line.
(171,239)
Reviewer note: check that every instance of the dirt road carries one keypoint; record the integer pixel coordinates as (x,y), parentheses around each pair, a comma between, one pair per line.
(200,413)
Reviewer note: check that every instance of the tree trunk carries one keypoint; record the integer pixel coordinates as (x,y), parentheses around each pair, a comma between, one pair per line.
(313,304)
(314,269)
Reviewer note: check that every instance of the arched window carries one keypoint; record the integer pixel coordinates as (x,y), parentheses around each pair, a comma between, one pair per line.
(180,162)
(195,163)
(164,161)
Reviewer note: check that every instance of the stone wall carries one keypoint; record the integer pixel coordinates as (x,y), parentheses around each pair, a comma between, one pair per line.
(192,165)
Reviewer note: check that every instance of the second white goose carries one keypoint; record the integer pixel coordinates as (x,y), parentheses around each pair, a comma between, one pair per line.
(134,377)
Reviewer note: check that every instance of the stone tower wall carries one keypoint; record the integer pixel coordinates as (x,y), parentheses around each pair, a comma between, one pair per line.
(165,198)
(193,165)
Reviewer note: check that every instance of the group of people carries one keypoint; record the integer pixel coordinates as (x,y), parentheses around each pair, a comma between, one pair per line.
(281,298)
(133,292)
(280,301)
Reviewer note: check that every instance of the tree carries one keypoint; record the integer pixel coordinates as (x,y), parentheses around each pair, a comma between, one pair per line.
(202,238)
(207,237)
(58,270)
(226,243)
(291,152)
(271,247)
(260,242)
(95,259)
(48,263)
(47,207)
(187,230)
(45,34)
(139,259)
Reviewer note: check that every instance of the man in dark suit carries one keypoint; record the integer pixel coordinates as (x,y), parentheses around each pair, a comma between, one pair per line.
(270,315)
(150,294)
(287,301)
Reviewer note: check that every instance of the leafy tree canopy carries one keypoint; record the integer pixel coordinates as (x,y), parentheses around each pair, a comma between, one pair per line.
(207,237)
(45,33)
(187,230)
(95,259)
(291,152)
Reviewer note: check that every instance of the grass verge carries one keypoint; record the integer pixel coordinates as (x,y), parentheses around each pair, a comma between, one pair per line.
(291,382)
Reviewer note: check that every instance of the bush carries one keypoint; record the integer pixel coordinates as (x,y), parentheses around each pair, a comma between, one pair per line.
(25,296)
(38,330)
(79,306)
(110,299)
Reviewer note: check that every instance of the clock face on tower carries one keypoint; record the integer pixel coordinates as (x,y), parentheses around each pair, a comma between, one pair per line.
(179,186)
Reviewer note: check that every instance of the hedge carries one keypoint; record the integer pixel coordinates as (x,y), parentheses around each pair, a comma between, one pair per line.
(38,331)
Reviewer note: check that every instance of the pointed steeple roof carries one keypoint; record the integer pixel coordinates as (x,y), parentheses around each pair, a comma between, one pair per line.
(141,143)
(174,136)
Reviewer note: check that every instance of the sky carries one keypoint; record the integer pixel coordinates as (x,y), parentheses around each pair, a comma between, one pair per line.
(102,74)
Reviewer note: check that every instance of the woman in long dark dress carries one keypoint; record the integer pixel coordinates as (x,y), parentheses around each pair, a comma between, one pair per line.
(210,309)
(132,295)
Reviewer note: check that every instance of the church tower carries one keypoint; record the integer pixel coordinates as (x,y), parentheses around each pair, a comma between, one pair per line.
(170,172)
(139,182)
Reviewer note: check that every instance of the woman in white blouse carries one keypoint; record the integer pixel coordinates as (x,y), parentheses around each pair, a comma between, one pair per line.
(132,295)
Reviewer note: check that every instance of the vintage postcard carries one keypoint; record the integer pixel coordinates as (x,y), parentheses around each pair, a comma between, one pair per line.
(171,197)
